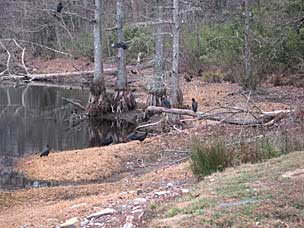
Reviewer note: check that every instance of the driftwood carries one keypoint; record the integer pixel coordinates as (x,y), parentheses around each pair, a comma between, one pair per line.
(265,118)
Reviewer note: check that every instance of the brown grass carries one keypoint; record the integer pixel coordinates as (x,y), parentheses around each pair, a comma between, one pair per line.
(80,165)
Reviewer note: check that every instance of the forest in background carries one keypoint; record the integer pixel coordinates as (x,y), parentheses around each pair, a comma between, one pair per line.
(212,35)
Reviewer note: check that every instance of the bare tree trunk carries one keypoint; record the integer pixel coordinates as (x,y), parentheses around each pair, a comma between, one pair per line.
(135,10)
(121,74)
(98,102)
(250,82)
(58,37)
(124,99)
(176,92)
(98,66)
(158,87)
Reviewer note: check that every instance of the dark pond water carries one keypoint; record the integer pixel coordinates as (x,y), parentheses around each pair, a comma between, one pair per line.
(30,118)
(33,116)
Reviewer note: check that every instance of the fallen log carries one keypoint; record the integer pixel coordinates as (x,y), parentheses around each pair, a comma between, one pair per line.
(266,118)
(40,77)
(177,111)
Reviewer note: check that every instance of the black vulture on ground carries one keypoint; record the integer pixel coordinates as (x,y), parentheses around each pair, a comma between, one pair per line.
(59,7)
(194,105)
(136,136)
(107,141)
(120,45)
(45,151)
(166,103)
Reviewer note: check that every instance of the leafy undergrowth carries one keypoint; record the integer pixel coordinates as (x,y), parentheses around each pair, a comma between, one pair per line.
(248,196)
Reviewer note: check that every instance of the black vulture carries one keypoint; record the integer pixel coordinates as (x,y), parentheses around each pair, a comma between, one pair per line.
(59,7)
(107,141)
(166,103)
(45,151)
(194,105)
(120,45)
(136,136)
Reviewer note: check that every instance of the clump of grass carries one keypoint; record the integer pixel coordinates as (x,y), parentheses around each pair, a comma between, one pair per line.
(208,157)
(217,154)
(172,212)
(213,76)
(267,150)
(152,206)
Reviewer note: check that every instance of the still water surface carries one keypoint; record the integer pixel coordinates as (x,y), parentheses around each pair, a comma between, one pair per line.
(33,116)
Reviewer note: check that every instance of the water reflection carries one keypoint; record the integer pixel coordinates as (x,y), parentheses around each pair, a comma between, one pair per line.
(13,180)
(33,116)
(30,118)
(102,132)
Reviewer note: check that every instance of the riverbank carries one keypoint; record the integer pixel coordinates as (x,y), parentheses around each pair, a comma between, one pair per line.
(136,180)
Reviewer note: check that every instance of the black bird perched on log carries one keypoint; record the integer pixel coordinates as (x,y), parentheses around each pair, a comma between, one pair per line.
(166,103)
(136,136)
(194,105)
(120,45)
(45,151)
(59,7)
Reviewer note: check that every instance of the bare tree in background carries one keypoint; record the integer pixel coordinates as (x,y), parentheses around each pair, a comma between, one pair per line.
(158,88)
(123,100)
(250,81)
(98,100)
(121,73)
(176,92)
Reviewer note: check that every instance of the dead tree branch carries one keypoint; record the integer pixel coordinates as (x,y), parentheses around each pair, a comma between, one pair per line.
(266,118)
(22,56)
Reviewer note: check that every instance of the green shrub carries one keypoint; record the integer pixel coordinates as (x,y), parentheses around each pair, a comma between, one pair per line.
(138,39)
(275,45)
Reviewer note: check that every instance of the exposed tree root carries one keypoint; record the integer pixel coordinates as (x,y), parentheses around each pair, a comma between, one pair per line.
(123,101)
